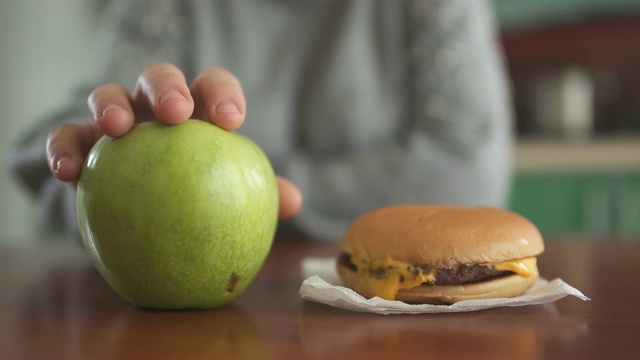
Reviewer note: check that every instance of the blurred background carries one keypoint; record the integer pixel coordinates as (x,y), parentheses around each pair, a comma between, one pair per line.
(575,72)
(574,67)
(45,51)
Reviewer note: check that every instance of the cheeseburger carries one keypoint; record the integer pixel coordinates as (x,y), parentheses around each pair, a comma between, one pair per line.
(440,254)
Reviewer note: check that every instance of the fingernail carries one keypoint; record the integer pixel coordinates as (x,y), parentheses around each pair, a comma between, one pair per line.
(226,106)
(59,164)
(110,107)
(170,94)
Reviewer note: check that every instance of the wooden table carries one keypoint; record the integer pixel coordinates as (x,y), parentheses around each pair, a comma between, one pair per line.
(53,304)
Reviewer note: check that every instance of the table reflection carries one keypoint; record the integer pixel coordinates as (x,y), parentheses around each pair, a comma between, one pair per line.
(500,332)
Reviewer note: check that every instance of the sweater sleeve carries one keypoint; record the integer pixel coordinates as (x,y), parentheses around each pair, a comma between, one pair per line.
(455,145)
(134,34)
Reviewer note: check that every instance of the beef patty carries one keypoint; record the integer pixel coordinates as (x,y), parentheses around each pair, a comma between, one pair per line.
(462,274)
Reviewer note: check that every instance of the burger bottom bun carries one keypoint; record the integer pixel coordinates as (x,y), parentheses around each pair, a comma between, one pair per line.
(502,287)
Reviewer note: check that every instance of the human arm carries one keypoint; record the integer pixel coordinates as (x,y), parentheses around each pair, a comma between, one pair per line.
(135,34)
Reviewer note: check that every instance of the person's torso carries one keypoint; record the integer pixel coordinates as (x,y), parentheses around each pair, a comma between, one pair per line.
(321,76)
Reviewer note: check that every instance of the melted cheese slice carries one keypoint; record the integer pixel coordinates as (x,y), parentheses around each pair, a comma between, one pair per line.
(385,276)
(523,267)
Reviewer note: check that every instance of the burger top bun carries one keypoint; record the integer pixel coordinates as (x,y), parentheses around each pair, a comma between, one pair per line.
(442,236)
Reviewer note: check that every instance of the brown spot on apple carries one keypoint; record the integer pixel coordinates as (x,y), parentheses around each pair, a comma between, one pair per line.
(233,281)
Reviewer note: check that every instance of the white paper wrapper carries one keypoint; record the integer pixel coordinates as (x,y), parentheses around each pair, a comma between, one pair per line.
(323,285)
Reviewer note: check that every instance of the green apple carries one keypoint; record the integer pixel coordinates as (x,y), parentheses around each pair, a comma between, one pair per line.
(177,216)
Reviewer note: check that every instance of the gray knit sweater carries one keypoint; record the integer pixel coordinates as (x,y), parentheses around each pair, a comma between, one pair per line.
(361,103)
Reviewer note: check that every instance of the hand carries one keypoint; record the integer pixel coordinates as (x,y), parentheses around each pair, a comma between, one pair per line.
(161,93)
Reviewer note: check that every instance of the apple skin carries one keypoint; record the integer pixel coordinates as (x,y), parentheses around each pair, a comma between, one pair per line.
(177,216)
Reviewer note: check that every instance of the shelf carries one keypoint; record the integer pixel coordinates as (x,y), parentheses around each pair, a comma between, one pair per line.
(600,155)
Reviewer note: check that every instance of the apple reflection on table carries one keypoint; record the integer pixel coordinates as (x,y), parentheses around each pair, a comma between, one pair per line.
(70,312)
